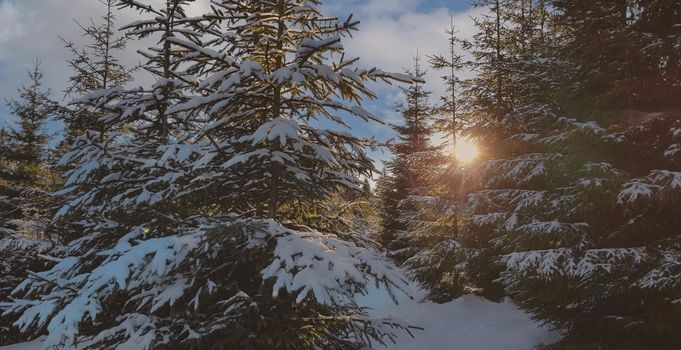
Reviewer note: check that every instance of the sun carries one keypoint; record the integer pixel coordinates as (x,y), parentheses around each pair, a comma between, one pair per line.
(466,151)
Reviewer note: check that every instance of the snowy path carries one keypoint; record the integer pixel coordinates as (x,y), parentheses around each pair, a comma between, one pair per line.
(468,323)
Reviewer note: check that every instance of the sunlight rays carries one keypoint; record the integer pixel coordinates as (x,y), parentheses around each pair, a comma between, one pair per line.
(466,151)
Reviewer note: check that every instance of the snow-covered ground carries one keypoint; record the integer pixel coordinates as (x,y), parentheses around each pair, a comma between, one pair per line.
(468,323)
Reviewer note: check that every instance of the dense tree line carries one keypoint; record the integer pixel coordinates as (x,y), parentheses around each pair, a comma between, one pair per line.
(572,209)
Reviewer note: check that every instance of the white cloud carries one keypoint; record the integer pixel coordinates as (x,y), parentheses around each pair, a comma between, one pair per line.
(371,7)
(390,39)
(390,33)
(31,28)
(10,25)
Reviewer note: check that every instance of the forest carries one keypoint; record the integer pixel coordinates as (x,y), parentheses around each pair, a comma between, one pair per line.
(219,194)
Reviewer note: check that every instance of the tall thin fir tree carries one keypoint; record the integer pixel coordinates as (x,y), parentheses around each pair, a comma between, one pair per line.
(29,178)
(96,67)
(206,209)
(25,182)
(449,122)
(411,169)
(29,142)
(450,65)
(439,261)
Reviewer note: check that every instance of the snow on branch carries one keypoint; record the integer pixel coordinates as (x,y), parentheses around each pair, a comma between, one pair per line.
(659,184)
(152,274)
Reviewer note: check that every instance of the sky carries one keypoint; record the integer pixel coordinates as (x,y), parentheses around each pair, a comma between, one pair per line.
(391,33)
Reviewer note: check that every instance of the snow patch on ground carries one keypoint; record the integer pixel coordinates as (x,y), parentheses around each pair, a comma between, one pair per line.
(467,323)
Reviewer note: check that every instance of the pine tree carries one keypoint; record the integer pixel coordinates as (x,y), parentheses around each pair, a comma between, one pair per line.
(95,68)
(415,161)
(439,263)
(447,110)
(25,179)
(207,210)
(29,140)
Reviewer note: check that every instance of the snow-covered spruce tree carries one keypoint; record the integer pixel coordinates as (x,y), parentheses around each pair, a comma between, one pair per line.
(95,67)
(530,190)
(275,146)
(619,286)
(110,181)
(412,169)
(512,96)
(207,224)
